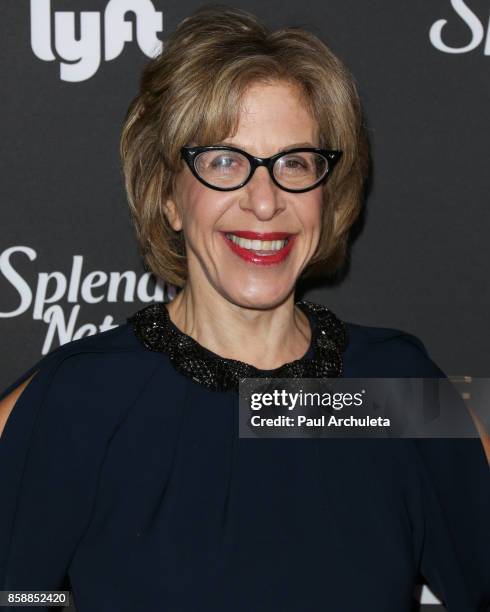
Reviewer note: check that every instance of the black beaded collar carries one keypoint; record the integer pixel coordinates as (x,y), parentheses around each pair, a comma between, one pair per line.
(154,328)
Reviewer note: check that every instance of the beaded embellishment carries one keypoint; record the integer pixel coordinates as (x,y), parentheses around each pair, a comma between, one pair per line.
(155,330)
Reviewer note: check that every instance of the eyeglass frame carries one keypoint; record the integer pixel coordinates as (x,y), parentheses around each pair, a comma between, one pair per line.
(189,155)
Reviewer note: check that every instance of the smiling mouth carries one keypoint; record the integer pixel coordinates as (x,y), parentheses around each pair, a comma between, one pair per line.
(260,248)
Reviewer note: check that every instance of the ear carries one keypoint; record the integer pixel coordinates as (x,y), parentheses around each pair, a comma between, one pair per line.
(172,213)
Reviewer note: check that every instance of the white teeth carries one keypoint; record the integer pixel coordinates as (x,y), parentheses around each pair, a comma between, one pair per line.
(258,245)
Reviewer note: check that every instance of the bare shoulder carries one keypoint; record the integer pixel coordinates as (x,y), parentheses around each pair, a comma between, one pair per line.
(7,403)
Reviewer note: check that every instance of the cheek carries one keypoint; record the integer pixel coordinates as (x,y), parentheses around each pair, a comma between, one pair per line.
(201,211)
(311,213)
(194,207)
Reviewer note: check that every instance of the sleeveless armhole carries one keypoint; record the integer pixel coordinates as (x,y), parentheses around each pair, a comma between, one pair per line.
(13,396)
(27,376)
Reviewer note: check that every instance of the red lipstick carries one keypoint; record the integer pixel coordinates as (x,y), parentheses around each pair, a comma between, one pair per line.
(256,257)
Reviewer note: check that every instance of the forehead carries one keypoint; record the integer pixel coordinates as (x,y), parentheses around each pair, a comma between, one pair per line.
(273,99)
(274,112)
(274,115)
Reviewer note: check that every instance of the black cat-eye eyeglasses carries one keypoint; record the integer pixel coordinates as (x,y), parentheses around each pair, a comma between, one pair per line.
(226,168)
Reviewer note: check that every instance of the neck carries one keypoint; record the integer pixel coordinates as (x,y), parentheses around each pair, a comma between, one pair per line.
(264,338)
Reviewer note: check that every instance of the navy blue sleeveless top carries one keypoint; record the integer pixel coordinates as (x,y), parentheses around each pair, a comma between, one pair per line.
(123,479)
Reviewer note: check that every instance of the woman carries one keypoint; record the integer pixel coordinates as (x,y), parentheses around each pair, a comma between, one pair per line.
(244,157)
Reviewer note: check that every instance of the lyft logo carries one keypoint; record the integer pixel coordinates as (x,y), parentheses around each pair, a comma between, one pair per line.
(474,25)
(53,35)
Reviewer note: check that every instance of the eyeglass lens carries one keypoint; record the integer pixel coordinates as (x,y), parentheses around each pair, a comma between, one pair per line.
(226,169)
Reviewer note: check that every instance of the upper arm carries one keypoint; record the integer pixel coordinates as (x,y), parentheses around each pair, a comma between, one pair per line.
(484,434)
(7,403)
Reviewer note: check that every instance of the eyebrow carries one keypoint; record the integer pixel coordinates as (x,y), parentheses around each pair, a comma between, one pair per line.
(282,150)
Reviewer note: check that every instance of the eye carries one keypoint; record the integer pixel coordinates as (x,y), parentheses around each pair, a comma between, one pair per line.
(223,161)
(295,163)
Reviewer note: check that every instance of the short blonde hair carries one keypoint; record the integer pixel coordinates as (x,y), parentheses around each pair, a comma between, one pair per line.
(191,92)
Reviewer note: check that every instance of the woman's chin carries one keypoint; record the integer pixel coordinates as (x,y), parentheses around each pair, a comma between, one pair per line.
(259,295)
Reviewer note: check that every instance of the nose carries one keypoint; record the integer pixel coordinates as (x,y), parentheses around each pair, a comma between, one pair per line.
(262,196)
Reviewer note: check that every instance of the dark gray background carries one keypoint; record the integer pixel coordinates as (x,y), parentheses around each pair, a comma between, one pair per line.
(420,261)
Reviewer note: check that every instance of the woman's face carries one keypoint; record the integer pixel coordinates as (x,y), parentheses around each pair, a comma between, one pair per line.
(272,118)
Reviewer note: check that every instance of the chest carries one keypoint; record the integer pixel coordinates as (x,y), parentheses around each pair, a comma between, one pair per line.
(191,512)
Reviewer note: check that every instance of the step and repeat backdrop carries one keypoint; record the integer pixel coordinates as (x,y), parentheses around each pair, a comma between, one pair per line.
(69,263)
